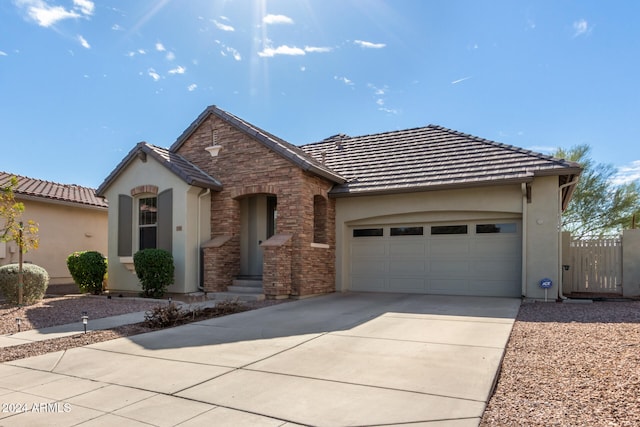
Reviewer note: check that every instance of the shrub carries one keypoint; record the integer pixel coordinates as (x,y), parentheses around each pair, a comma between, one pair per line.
(88,270)
(154,268)
(35,282)
(164,316)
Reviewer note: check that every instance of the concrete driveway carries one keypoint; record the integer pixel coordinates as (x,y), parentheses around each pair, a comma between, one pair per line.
(342,359)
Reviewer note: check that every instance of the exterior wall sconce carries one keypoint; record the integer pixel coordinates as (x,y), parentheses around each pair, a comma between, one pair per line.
(85,320)
(214,150)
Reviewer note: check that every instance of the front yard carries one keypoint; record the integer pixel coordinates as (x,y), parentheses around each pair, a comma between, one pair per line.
(570,365)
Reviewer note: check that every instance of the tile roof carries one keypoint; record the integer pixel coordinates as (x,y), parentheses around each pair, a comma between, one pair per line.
(177,164)
(427,158)
(68,193)
(287,150)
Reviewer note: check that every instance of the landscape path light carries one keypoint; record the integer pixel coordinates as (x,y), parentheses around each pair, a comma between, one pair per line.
(19,322)
(85,320)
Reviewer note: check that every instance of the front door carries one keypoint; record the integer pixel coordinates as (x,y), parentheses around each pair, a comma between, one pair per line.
(257,215)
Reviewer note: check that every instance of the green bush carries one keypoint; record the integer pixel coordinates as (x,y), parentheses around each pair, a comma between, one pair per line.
(154,268)
(88,270)
(35,282)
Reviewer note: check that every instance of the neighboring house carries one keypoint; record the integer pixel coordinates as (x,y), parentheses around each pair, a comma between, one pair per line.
(425,210)
(70,218)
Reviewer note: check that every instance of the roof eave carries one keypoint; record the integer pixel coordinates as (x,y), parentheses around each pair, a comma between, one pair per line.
(428,188)
(44,199)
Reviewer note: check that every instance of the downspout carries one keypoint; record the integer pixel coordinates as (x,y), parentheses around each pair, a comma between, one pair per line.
(524,239)
(202,194)
(562,187)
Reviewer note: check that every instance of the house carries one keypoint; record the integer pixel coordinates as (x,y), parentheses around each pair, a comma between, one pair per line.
(424,210)
(70,218)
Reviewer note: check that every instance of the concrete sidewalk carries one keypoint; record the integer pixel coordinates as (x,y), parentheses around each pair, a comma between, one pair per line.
(342,359)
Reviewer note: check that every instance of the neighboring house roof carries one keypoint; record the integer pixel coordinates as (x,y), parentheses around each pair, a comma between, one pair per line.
(53,192)
(430,158)
(278,145)
(177,164)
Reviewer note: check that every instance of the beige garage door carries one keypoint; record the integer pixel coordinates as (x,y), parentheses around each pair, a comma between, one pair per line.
(481,258)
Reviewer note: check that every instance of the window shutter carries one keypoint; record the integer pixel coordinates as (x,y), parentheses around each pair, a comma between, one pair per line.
(165,220)
(125,225)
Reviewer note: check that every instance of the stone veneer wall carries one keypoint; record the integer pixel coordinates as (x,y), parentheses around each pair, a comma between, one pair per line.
(245,166)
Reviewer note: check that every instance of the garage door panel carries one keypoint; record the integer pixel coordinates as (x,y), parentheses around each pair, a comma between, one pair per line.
(407,267)
(442,247)
(453,285)
(454,267)
(492,248)
(367,283)
(407,284)
(368,266)
(414,249)
(496,269)
(368,248)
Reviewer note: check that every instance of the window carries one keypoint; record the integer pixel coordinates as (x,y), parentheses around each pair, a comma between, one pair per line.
(148,222)
(407,231)
(145,221)
(367,232)
(496,228)
(320,220)
(448,229)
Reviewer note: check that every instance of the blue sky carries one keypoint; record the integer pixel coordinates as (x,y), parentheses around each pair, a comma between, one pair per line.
(81,82)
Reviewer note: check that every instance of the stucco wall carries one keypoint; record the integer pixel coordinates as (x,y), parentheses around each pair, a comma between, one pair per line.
(63,229)
(185,225)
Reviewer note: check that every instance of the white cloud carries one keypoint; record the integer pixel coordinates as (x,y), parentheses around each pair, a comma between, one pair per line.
(369,45)
(170,56)
(46,15)
(85,44)
(116,27)
(178,70)
(343,80)
(224,27)
(314,49)
(627,174)
(277,19)
(376,90)
(160,47)
(455,82)
(580,27)
(85,6)
(152,73)
(192,87)
(389,110)
(142,51)
(234,53)
(269,52)
(3,53)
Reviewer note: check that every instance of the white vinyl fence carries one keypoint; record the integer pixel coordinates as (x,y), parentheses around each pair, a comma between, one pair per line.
(595,266)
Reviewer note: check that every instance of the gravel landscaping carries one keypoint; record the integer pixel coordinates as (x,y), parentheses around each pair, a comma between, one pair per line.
(570,365)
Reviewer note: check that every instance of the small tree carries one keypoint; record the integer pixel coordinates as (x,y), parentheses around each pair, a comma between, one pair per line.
(25,236)
(599,206)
